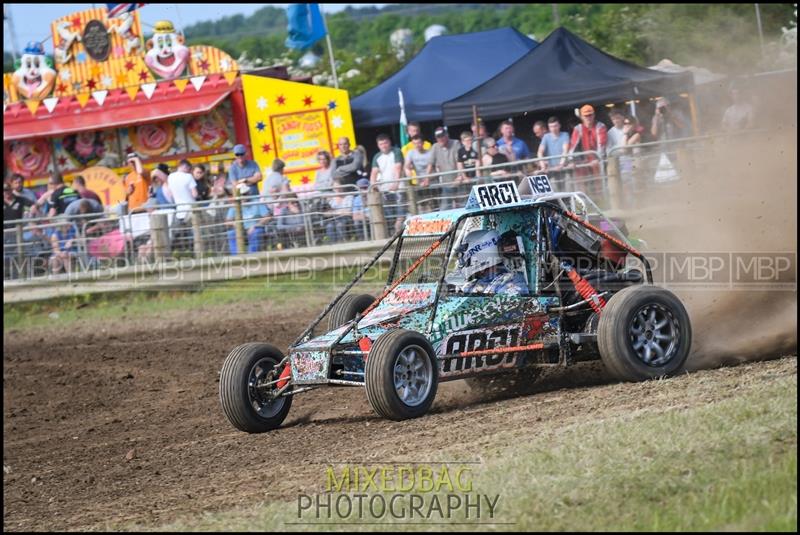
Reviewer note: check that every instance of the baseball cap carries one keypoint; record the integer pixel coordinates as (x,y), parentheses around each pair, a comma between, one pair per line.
(362,183)
(164,168)
(440,131)
(661,102)
(240,150)
(587,109)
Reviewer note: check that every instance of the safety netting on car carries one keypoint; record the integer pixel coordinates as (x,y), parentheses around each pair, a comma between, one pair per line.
(412,250)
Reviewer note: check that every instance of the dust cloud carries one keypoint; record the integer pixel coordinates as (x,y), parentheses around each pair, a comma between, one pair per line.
(737,197)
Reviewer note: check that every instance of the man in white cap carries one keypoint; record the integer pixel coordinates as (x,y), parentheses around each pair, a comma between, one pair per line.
(243,171)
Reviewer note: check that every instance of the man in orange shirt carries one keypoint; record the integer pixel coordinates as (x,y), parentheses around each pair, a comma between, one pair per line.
(136,184)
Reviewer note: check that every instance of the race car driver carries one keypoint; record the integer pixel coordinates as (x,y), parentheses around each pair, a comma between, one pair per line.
(482,266)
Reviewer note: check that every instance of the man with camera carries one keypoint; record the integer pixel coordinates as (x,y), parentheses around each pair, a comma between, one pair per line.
(668,123)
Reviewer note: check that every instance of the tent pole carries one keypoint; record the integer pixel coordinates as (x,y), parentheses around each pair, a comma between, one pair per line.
(633,107)
(480,143)
(693,112)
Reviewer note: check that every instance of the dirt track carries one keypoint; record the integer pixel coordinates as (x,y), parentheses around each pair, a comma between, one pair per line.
(76,403)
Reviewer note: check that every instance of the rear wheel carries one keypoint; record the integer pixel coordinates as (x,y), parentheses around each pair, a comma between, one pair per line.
(644,332)
(249,406)
(402,375)
(347,309)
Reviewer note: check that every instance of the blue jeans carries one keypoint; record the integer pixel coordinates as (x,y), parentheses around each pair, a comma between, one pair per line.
(253,240)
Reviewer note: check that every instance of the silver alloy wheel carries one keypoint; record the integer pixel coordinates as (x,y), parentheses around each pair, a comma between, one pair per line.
(655,335)
(413,375)
(259,397)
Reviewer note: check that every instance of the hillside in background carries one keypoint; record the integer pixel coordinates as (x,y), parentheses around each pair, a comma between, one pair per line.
(720,36)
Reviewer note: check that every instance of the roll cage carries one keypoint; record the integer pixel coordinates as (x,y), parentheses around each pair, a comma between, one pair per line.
(543,205)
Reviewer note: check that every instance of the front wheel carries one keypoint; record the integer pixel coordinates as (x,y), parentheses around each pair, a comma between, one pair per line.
(248,405)
(401,375)
(644,333)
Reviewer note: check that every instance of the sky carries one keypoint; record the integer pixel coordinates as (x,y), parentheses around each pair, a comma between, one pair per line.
(32,21)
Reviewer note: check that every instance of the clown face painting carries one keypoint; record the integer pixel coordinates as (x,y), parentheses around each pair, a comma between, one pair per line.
(166,56)
(34,78)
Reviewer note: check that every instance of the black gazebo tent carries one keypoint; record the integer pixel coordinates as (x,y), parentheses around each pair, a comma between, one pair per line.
(448,66)
(563,71)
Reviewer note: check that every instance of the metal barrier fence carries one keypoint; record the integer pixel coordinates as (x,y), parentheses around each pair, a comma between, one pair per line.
(251,224)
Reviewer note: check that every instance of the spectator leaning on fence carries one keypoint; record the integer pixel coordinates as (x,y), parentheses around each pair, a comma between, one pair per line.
(290,223)
(740,114)
(554,147)
(492,156)
(254,216)
(137,184)
(589,135)
(668,123)
(348,164)
(184,190)
(480,136)
(14,204)
(65,247)
(275,186)
(159,193)
(323,178)
(631,134)
(615,133)
(413,129)
(539,129)
(444,158)
(243,171)
(61,196)
(387,169)
(513,147)
(83,207)
(79,185)
(418,158)
(17,181)
(467,159)
(201,180)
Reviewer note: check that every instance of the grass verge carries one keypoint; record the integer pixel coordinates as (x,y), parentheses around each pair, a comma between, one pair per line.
(316,287)
(729,465)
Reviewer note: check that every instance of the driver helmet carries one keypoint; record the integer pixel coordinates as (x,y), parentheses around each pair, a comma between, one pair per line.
(479,251)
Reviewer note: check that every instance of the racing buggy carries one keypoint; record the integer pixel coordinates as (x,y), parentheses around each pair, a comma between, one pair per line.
(508,284)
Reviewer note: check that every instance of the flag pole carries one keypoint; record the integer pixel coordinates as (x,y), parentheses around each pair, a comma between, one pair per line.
(403,120)
(10,22)
(330,48)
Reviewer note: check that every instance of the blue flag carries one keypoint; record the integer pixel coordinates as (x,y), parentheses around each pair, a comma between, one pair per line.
(306,26)
(115,10)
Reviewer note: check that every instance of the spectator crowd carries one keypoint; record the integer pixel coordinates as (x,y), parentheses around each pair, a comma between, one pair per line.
(332,208)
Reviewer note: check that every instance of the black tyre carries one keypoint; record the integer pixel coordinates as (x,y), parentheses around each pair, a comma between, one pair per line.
(515,382)
(347,309)
(643,333)
(247,407)
(402,375)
